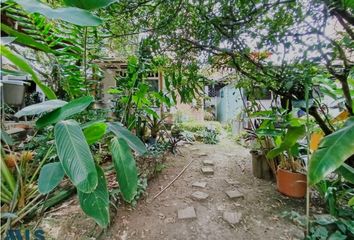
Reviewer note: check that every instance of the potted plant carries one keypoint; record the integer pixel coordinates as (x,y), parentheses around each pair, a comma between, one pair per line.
(261,166)
(291,177)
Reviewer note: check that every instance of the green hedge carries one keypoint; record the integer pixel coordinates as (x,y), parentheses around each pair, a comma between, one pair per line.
(194,126)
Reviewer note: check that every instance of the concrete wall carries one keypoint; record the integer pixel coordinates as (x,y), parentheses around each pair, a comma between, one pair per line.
(188,112)
(229,104)
(107,83)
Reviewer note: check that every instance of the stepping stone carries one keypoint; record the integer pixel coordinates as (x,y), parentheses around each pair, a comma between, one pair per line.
(15,131)
(232,182)
(199,184)
(232,217)
(208,170)
(187,213)
(208,163)
(199,196)
(234,194)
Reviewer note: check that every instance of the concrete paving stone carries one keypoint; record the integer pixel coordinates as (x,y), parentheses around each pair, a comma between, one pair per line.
(232,182)
(187,213)
(208,163)
(207,170)
(234,194)
(199,184)
(199,196)
(232,217)
(202,154)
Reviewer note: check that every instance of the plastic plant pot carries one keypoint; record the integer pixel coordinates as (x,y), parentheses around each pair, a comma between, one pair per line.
(14,91)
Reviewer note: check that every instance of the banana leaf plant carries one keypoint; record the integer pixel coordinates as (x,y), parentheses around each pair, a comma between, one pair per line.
(73,15)
(332,153)
(72,141)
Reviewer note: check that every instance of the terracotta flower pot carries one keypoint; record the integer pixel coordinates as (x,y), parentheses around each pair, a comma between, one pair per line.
(291,184)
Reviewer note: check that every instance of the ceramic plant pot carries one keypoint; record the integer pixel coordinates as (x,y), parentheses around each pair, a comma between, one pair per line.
(291,184)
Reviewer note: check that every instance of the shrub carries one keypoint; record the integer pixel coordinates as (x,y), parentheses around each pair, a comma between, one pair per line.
(188,136)
(194,126)
(209,116)
(210,136)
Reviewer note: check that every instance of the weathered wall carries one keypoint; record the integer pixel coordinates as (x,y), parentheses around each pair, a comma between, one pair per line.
(190,111)
(229,104)
(107,83)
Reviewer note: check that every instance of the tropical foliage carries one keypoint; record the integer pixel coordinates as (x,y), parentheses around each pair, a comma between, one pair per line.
(290,48)
(76,160)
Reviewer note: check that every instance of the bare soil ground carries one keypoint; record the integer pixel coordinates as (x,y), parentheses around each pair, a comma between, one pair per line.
(260,207)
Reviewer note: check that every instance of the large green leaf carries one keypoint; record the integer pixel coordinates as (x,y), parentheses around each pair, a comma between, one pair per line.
(50,176)
(124,163)
(96,203)
(89,123)
(333,150)
(269,132)
(73,107)
(75,155)
(95,132)
(89,4)
(39,108)
(25,39)
(25,67)
(72,15)
(290,139)
(347,172)
(133,141)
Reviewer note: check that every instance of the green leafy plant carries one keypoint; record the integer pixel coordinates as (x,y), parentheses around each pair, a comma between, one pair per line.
(72,15)
(96,203)
(188,136)
(20,196)
(210,136)
(137,102)
(71,138)
(76,161)
(194,126)
(336,194)
(125,167)
(288,149)
(68,47)
(277,136)
(324,226)
(89,5)
(332,153)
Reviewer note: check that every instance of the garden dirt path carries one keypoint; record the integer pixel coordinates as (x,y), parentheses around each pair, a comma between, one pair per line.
(261,205)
